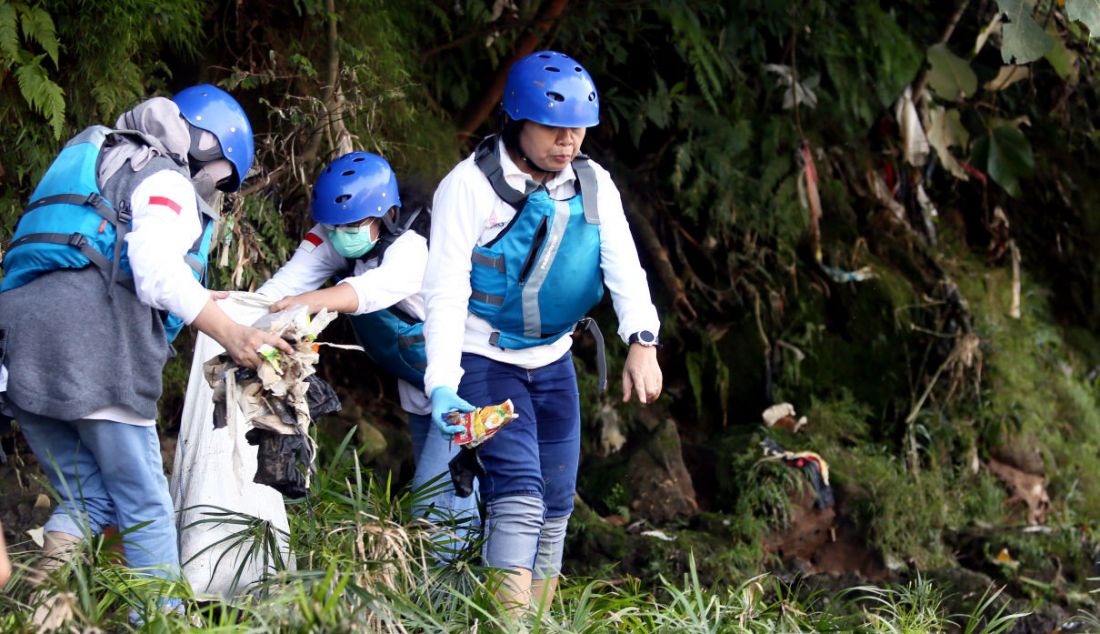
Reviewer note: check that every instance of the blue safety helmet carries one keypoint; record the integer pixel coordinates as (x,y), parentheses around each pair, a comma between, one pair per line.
(356,186)
(212,109)
(551,88)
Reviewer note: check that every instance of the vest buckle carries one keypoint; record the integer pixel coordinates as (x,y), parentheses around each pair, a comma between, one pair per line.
(124,214)
(78,240)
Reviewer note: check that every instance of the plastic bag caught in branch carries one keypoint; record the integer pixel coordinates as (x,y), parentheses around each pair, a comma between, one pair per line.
(913,139)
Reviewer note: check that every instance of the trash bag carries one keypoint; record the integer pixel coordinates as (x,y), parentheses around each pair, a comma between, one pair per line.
(321,398)
(282,396)
(282,462)
(212,477)
(464,467)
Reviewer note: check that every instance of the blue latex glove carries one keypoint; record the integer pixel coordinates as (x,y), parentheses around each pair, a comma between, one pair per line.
(444,401)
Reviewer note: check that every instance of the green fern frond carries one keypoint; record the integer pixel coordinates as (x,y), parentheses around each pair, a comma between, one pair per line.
(43,95)
(9,34)
(38,26)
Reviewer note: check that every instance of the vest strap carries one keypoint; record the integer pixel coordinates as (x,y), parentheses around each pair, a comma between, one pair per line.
(93,200)
(586,179)
(487,158)
(591,326)
(79,242)
(122,227)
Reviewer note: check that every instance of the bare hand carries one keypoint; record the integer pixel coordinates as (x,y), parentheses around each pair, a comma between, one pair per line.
(241,342)
(642,374)
(340,298)
(244,342)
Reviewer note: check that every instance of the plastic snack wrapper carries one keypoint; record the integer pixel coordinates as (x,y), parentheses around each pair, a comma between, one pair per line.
(480,424)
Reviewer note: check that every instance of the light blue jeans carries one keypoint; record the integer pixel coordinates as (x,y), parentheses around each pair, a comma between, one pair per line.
(431,455)
(108,474)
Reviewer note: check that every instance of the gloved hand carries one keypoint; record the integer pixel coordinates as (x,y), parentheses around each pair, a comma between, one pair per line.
(444,401)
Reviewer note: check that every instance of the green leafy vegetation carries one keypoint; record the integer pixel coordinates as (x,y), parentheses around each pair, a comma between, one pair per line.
(966,339)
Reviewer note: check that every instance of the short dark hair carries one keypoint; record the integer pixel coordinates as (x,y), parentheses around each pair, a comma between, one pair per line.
(509,132)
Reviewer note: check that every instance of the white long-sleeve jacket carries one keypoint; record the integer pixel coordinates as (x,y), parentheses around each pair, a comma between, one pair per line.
(165,225)
(467,212)
(395,280)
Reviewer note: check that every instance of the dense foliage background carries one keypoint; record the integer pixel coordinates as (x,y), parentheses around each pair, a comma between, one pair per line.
(883,213)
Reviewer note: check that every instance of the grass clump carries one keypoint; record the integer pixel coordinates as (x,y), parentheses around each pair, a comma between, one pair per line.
(364,563)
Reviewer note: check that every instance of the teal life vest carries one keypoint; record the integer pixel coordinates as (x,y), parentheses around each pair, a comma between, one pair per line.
(536,280)
(68,224)
(393,338)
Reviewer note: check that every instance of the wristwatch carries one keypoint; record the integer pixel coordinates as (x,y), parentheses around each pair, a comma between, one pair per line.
(643,338)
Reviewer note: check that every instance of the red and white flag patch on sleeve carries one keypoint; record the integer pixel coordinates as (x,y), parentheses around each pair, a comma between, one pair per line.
(165,202)
(311,242)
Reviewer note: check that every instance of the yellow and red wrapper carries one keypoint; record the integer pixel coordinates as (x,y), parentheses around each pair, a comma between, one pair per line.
(480,424)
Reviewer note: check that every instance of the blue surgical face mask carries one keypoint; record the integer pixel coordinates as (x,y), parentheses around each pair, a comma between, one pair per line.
(353,243)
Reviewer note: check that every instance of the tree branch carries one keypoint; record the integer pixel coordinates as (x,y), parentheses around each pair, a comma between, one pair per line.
(332,75)
(479,111)
(643,230)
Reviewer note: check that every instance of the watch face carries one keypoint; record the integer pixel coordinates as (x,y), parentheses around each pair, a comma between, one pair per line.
(646,336)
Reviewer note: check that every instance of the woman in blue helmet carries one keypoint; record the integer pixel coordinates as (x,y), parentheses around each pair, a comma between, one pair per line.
(526,233)
(376,245)
(87,324)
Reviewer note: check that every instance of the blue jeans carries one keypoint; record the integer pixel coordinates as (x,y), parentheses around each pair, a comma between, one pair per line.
(530,464)
(431,454)
(108,474)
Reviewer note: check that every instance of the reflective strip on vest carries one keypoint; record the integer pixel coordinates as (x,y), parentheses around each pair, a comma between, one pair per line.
(491,262)
(532,315)
(494,300)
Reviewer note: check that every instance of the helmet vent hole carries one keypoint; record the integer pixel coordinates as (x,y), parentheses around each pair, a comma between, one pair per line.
(591,96)
(343,198)
(358,159)
(544,56)
(553,69)
(578,69)
(556,96)
(347,172)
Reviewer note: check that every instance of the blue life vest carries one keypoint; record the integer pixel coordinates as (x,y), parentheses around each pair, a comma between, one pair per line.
(395,341)
(391,337)
(536,280)
(69,225)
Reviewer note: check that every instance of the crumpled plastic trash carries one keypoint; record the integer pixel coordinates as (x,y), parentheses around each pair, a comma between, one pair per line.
(812,464)
(782,415)
(482,423)
(478,426)
(280,399)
